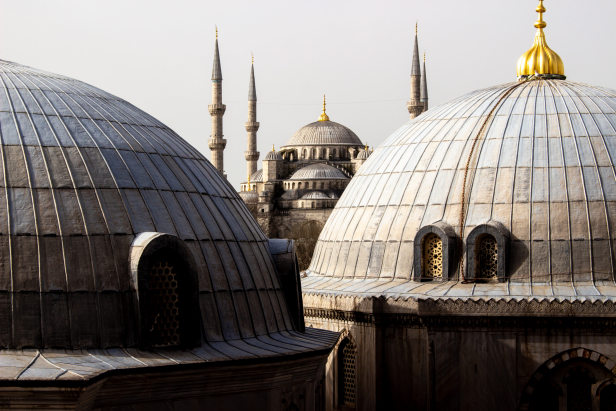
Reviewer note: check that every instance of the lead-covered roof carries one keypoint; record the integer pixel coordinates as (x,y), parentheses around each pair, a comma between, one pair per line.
(544,169)
(324,133)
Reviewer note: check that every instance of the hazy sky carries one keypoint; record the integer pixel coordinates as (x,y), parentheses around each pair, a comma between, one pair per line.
(158,55)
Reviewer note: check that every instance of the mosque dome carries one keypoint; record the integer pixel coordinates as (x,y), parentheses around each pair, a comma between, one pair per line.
(324,133)
(249,196)
(315,195)
(272,155)
(257,176)
(363,155)
(530,163)
(95,190)
(318,172)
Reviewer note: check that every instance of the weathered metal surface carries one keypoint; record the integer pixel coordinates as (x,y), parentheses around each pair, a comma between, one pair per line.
(544,168)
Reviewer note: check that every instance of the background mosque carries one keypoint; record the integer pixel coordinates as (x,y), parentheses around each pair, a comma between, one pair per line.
(294,193)
(470,263)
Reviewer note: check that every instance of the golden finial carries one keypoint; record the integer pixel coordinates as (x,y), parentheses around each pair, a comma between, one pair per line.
(366,146)
(541,59)
(323,116)
(216,32)
(249,189)
(424,56)
(253,57)
(273,149)
(416,27)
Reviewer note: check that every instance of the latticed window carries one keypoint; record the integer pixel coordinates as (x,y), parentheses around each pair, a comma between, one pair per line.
(579,394)
(432,261)
(163,299)
(346,363)
(487,257)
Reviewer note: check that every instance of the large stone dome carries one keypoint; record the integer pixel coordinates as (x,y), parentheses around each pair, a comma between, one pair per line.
(94,187)
(324,133)
(541,158)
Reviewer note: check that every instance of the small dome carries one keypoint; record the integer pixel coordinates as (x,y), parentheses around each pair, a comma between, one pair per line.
(272,155)
(318,172)
(363,155)
(324,133)
(315,195)
(249,196)
(257,177)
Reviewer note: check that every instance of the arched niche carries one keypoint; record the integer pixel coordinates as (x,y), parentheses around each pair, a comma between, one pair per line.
(165,277)
(476,241)
(447,237)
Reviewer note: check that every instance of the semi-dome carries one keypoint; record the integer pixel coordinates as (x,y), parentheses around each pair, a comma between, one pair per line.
(363,155)
(324,133)
(318,172)
(315,195)
(541,157)
(272,155)
(100,196)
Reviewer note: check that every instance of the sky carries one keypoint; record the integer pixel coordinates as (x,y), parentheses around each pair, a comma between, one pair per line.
(158,56)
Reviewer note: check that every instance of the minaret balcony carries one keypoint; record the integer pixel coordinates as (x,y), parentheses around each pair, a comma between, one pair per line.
(217,109)
(252,126)
(217,143)
(251,155)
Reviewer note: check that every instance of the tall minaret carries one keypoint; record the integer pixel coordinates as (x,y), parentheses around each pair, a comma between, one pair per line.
(251,154)
(414,106)
(424,86)
(217,143)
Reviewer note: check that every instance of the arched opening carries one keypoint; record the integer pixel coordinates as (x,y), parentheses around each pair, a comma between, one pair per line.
(432,256)
(346,373)
(334,153)
(607,398)
(322,185)
(304,154)
(579,389)
(314,184)
(313,205)
(486,257)
(299,186)
(314,153)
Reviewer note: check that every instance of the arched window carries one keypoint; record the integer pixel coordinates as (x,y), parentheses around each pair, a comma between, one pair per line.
(293,186)
(314,153)
(304,154)
(299,186)
(324,153)
(313,205)
(486,257)
(579,390)
(334,153)
(346,373)
(607,399)
(322,185)
(314,184)
(432,256)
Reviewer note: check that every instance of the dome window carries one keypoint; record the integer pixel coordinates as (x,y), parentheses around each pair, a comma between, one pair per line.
(486,250)
(346,372)
(164,304)
(434,252)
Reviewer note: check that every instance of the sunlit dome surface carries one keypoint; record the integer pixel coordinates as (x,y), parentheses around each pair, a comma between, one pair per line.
(324,133)
(544,168)
(318,172)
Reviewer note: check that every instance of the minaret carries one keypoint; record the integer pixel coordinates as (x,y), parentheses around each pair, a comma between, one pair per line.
(217,143)
(424,86)
(251,154)
(414,106)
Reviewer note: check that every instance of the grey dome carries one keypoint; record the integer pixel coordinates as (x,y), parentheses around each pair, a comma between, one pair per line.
(272,155)
(257,177)
(315,195)
(83,173)
(324,133)
(543,170)
(318,172)
(363,155)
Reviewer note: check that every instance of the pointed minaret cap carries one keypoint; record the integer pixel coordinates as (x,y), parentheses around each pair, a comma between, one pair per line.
(252,89)
(541,60)
(324,117)
(416,71)
(216,70)
(424,82)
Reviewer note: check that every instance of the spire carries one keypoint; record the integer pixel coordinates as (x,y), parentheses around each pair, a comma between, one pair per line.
(216,70)
(273,148)
(323,116)
(416,71)
(252,89)
(540,59)
(424,86)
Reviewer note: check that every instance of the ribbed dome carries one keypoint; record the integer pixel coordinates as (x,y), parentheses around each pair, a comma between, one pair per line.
(363,155)
(272,155)
(315,195)
(543,169)
(83,173)
(318,172)
(257,177)
(324,133)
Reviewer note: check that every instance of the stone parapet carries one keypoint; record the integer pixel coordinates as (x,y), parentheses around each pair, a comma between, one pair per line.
(217,109)
(251,155)
(217,143)
(252,126)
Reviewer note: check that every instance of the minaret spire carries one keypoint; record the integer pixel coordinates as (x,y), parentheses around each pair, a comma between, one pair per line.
(251,154)
(324,117)
(424,86)
(414,105)
(217,143)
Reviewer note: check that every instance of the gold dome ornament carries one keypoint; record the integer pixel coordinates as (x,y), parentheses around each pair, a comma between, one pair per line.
(540,62)
(323,116)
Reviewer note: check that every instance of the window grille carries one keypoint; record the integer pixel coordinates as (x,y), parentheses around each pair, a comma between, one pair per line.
(164,305)
(348,374)
(433,256)
(487,257)
(579,388)
(608,398)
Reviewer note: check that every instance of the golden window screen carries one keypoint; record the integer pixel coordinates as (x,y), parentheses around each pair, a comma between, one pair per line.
(487,259)
(164,305)
(433,256)
(348,371)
